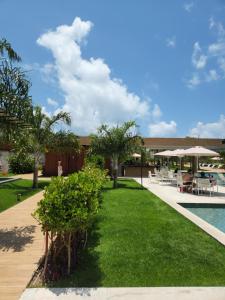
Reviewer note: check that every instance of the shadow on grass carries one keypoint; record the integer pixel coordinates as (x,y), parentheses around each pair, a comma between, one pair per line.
(87,274)
(17,185)
(16,238)
(124,186)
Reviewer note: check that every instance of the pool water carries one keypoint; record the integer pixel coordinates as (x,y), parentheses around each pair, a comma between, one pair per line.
(220,177)
(211,213)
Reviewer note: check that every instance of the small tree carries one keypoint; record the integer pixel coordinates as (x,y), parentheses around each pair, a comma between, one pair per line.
(41,131)
(68,207)
(116,143)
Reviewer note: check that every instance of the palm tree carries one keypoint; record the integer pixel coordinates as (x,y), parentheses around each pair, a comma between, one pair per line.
(15,102)
(40,133)
(115,143)
(5,47)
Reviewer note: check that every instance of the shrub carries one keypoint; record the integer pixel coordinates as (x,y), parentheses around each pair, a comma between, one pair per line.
(96,161)
(21,163)
(68,208)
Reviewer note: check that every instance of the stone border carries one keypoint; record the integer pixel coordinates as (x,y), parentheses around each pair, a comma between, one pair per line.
(8,180)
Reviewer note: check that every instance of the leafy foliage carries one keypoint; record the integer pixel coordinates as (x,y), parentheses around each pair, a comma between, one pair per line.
(95,160)
(63,141)
(21,163)
(69,205)
(116,143)
(15,102)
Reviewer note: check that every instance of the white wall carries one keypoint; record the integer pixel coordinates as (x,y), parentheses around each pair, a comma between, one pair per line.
(4,165)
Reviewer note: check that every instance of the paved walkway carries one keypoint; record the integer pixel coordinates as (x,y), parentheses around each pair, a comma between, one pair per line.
(30,176)
(179,293)
(21,246)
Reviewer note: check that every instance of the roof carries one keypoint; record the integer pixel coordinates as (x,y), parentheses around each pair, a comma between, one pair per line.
(174,143)
(85,140)
(171,143)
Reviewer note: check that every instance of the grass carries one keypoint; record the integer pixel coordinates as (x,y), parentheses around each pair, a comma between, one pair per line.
(140,241)
(9,191)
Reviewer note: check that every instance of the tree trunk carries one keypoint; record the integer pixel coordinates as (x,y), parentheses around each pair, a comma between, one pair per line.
(46,253)
(115,170)
(35,175)
(69,254)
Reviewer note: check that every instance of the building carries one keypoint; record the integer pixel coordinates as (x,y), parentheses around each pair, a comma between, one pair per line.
(4,157)
(74,162)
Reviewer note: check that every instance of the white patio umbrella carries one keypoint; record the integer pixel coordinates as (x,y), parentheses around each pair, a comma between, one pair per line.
(136,155)
(164,153)
(199,151)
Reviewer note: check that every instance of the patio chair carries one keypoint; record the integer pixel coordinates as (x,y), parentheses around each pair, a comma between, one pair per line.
(151,176)
(202,184)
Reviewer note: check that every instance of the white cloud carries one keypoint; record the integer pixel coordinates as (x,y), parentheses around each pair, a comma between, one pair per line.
(52,102)
(171,42)
(156,112)
(44,111)
(214,54)
(163,129)
(198,59)
(188,6)
(92,96)
(221,63)
(210,130)
(194,81)
(212,76)
(217,49)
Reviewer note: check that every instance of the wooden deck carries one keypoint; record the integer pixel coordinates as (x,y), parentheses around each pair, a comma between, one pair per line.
(21,247)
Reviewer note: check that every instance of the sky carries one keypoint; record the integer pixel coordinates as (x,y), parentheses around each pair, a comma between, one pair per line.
(160,63)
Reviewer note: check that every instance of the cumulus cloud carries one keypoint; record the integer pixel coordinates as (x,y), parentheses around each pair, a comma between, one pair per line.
(171,42)
(188,6)
(52,102)
(214,53)
(156,112)
(210,130)
(198,58)
(163,129)
(92,96)
(193,81)
(212,75)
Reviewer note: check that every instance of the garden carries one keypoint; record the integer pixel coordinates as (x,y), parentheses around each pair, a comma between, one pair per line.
(99,231)
(135,239)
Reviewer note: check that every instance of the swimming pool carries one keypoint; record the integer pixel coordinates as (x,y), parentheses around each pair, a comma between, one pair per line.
(214,214)
(220,177)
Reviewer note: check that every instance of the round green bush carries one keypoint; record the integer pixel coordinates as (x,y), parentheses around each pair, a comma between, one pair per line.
(21,163)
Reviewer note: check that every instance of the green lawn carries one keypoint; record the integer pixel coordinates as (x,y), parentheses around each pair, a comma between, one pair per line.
(140,241)
(9,191)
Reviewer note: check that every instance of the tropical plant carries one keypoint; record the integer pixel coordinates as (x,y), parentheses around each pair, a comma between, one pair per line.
(35,139)
(63,142)
(15,102)
(116,143)
(68,208)
(21,163)
(95,160)
(7,51)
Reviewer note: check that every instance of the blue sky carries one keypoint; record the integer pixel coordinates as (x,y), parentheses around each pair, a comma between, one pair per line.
(161,63)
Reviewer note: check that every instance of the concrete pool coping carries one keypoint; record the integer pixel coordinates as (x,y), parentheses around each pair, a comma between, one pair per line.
(8,179)
(145,293)
(171,196)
